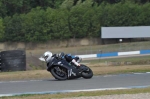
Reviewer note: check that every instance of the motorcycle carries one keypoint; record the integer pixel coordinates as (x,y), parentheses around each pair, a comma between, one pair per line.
(62,70)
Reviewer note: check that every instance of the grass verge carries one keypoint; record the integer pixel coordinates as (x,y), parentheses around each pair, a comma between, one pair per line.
(81,94)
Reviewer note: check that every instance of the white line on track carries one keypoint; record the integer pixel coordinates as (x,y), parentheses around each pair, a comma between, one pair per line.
(19,81)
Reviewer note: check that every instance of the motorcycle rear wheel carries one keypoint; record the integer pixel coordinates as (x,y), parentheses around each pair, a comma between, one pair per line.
(60,75)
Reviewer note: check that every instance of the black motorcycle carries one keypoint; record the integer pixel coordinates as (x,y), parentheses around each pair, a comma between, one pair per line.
(62,70)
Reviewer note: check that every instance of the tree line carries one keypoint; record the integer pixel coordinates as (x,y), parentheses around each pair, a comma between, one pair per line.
(43,20)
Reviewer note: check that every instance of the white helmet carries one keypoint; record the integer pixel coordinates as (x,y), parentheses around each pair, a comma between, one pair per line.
(47,56)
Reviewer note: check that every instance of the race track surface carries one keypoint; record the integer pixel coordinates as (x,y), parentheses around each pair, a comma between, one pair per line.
(137,80)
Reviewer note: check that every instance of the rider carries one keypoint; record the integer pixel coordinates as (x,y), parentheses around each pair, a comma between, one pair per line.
(68,57)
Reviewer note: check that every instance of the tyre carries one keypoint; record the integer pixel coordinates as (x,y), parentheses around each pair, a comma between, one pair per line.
(13,60)
(13,53)
(88,73)
(13,64)
(59,73)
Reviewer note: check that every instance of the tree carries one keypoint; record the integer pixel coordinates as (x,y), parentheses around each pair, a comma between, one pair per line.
(13,28)
(58,20)
(34,25)
(46,3)
(1,30)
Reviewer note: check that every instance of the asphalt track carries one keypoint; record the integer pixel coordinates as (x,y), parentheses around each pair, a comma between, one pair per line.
(105,82)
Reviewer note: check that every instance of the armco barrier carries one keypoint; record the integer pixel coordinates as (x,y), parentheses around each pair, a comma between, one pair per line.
(115,54)
(88,56)
(128,53)
(145,52)
(107,54)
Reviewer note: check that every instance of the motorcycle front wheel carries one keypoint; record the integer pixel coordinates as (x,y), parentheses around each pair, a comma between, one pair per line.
(88,73)
(59,73)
